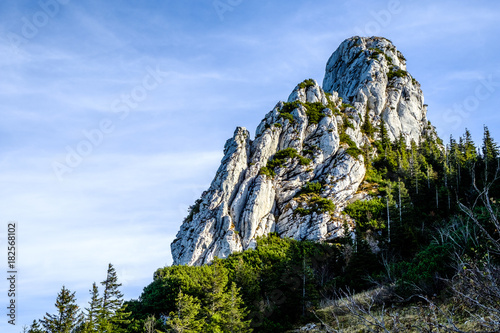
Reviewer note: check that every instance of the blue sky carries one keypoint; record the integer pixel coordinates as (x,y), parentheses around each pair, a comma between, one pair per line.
(147,93)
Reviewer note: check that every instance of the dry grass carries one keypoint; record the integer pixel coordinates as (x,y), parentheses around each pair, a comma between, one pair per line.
(367,312)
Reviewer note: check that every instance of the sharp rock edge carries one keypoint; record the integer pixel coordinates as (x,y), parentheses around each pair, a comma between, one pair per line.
(363,76)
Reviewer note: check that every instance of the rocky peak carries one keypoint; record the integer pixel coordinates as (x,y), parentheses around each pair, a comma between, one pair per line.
(305,164)
(371,74)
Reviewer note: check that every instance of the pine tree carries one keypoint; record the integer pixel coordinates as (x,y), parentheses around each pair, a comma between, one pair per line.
(216,298)
(112,298)
(234,312)
(490,148)
(303,283)
(186,318)
(367,127)
(35,328)
(387,198)
(67,317)
(402,228)
(414,166)
(92,312)
(456,161)
(384,135)
(400,147)
(469,150)
(111,312)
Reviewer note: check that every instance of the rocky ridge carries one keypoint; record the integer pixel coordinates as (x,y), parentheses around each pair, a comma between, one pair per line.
(306,161)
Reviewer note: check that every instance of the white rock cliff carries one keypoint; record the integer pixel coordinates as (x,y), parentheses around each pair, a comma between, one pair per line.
(304,164)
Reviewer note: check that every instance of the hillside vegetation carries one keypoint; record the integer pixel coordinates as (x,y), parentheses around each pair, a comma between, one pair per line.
(423,256)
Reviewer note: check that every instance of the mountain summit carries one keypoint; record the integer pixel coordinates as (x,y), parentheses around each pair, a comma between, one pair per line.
(307,160)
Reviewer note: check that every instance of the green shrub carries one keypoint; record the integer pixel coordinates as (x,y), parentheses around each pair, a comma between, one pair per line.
(275,162)
(331,105)
(192,210)
(345,138)
(286,153)
(288,116)
(267,172)
(345,106)
(310,187)
(401,57)
(306,83)
(316,204)
(278,124)
(347,124)
(310,149)
(367,213)
(396,73)
(307,151)
(322,205)
(303,211)
(353,149)
(304,160)
(314,112)
(354,152)
(288,107)
(375,52)
(279,159)
(424,272)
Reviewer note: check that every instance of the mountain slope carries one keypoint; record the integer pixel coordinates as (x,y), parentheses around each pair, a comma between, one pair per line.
(308,156)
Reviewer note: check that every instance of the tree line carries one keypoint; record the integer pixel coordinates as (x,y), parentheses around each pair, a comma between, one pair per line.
(428,229)
(105,313)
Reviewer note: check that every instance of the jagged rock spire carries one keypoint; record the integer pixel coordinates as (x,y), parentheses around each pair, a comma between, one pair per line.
(305,163)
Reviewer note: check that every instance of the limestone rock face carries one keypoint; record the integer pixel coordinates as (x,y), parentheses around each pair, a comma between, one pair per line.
(370,73)
(304,164)
(211,222)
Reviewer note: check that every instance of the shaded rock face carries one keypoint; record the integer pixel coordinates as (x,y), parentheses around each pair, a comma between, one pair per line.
(304,165)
